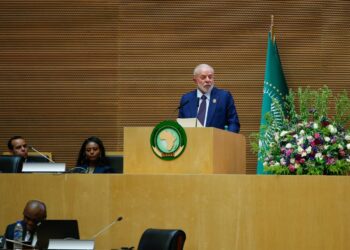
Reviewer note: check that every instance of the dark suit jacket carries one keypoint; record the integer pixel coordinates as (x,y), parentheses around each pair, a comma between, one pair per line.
(10,231)
(221,112)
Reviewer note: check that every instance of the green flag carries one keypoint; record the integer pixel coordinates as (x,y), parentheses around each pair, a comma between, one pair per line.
(275,86)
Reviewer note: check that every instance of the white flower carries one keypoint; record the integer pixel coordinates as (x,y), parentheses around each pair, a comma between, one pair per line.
(303,154)
(309,138)
(289,145)
(302,132)
(292,160)
(283,133)
(332,129)
(300,141)
(319,156)
(315,126)
(326,146)
(283,161)
(300,149)
(277,137)
(308,150)
(347,137)
(348,146)
(340,146)
(265,164)
(327,139)
(296,165)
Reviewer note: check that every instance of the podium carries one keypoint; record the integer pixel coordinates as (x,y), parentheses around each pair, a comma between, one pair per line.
(208,151)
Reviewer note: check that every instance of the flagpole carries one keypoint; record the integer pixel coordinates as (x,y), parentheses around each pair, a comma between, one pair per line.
(271,30)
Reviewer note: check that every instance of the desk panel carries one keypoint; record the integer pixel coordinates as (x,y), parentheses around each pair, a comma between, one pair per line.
(216,211)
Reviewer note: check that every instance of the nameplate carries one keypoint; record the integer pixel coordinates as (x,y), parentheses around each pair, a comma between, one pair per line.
(71,244)
(43,167)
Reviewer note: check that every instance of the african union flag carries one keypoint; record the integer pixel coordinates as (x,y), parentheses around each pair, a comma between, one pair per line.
(274,87)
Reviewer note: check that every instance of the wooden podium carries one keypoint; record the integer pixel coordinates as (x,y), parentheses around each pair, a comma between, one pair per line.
(208,151)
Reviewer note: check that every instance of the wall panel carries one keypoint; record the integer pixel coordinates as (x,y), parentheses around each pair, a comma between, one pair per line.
(71,69)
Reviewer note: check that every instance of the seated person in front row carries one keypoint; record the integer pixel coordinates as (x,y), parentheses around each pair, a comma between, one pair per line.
(33,213)
(92,157)
(17,145)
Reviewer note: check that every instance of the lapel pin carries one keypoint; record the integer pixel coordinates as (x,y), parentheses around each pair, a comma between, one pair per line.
(214,100)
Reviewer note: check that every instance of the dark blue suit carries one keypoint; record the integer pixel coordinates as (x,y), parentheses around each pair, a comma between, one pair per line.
(10,232)
(221,112)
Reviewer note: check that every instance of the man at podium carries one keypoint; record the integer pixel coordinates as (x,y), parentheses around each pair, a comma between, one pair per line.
(212,107)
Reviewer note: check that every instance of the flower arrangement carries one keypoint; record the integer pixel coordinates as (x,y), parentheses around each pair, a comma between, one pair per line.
(308,142)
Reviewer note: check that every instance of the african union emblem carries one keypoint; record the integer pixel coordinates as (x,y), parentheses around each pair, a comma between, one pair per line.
(168,140)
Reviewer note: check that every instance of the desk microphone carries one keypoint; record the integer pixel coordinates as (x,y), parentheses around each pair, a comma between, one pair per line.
(43,155)
(83,170)
(197,112)
(19,243)
(106,227)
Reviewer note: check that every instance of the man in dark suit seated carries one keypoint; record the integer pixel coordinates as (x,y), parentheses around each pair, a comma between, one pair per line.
(17,145)
(212,106)
(33,213)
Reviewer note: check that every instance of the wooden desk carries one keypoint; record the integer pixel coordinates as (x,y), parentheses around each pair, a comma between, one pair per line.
(216,211)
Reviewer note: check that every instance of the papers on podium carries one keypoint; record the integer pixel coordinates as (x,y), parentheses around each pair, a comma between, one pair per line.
(189,122)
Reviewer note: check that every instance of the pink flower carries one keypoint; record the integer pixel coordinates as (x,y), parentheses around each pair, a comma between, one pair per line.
(291,168)
(317,135)
(289,152)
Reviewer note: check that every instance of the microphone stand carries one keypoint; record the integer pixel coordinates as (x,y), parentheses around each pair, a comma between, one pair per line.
(106,227)
(37,151)
(197,112)
(20,243)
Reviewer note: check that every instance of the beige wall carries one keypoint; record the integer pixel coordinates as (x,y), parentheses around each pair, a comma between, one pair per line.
(245,212)
(71,69)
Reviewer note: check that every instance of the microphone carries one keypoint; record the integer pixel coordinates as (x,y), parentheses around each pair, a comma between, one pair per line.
(197,111)
(43,155)
(181,105)
(18,242)
(84,170)
(106,227)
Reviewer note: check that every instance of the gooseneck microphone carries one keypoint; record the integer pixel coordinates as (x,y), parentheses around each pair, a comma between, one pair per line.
(41,154)
(106,227)
(81,170)
(197,112)
(19,243)
(182,105)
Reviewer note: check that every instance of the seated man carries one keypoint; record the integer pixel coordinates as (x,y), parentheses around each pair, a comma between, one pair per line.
(33,213)
(17,145)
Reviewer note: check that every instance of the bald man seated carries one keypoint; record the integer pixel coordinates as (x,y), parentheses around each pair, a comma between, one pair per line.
(34,212)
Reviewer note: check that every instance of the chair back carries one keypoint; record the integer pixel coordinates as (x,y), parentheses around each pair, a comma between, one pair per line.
(11,164)
(35,157)
(162,239)
(116,161)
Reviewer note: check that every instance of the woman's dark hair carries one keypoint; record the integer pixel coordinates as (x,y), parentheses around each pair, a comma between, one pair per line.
(82,159)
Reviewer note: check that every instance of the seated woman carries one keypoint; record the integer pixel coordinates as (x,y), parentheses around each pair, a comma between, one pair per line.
(92,157)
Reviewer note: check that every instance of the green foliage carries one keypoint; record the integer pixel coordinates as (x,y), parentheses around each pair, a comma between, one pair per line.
(308,142)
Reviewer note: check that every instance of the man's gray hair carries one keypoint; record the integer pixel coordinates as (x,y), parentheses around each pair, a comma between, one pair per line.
(198,69)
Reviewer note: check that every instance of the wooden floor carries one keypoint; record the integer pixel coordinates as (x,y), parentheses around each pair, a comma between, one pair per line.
(216,211)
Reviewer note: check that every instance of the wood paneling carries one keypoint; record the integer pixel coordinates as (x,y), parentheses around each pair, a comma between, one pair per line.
(71,69)
(221,212)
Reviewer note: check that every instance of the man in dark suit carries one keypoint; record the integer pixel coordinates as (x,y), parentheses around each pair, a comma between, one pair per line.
(17,145)
(212,106)
(33,213)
